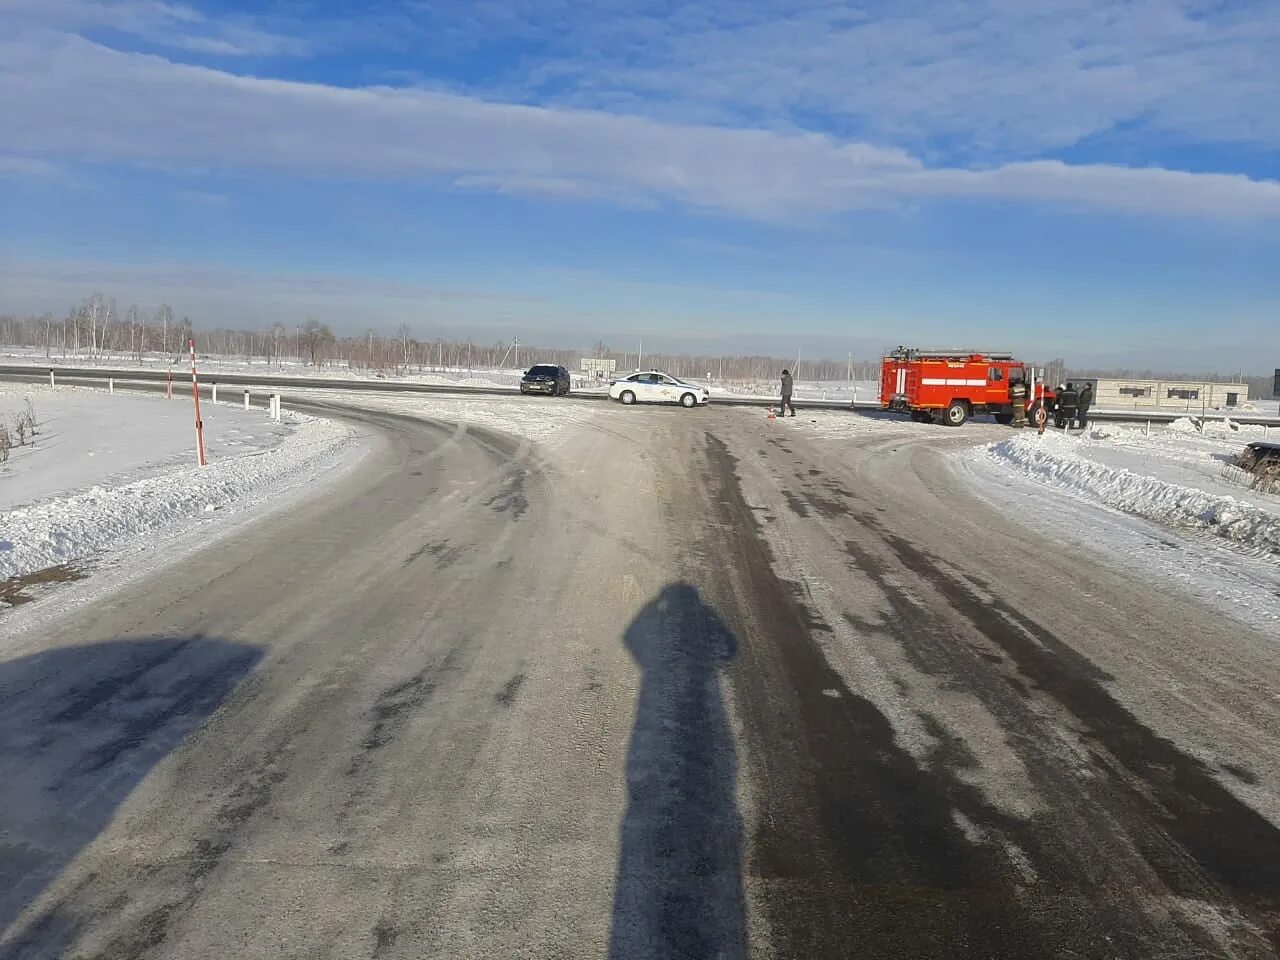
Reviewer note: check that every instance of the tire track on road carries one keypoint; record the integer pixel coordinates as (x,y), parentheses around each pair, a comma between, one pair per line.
(860,846)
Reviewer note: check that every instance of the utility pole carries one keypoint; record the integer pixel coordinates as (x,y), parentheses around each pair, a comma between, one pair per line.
(515,345)
(640,355)
(851,366)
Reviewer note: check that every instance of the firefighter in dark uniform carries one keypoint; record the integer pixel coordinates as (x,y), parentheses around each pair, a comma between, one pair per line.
(1064,410)
(1082,405)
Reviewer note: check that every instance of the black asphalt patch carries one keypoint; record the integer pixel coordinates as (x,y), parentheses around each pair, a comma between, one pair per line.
(507,696)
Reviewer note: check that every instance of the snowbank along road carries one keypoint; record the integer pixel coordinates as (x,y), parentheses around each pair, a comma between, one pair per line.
(658,684)
(109,481)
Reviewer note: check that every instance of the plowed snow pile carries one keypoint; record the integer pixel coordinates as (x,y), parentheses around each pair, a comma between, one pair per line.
(116,474)
(1178,476)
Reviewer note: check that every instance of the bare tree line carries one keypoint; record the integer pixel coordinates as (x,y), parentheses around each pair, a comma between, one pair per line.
(98,328)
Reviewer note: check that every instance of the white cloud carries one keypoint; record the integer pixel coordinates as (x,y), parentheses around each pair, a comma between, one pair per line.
(64,96)
(556,188)
(173,25)
(30,168)
(985,79)
(1141,190)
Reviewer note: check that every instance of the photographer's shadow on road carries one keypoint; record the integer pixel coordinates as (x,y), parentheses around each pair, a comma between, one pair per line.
(80,727)
(679,883)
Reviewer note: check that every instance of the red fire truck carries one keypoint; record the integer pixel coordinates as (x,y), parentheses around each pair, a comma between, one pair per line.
(958,384)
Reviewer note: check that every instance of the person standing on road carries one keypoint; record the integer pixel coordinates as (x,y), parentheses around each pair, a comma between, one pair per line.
(787,386)
(1082,405)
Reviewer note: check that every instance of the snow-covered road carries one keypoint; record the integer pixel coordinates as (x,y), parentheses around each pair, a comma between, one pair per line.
(572,679)
(546,420)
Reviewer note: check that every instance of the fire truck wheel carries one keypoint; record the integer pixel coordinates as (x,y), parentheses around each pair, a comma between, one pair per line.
(956,414)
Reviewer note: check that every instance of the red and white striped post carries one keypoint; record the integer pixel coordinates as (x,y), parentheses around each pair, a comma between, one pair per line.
(195,393)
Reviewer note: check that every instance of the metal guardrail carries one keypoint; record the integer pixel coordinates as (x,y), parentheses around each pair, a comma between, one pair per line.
(1164,416)
(27,372)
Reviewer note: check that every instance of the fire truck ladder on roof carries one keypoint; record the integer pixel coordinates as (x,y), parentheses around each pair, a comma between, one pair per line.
(910,353)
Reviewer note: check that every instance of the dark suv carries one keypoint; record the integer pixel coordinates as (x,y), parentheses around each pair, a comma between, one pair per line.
(546,378)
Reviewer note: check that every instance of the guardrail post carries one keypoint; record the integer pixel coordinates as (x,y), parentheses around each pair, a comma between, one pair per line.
(246,399)
(214,391)
(111,385)
(51,383)
(195,397)
(275,406)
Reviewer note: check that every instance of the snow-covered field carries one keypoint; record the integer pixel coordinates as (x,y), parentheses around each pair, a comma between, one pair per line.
(111,476)
(1166,503)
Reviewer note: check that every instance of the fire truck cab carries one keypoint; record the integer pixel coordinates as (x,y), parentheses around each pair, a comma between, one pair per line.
(957,385)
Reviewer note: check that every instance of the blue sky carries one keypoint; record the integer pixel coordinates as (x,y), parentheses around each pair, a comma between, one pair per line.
(1080,178)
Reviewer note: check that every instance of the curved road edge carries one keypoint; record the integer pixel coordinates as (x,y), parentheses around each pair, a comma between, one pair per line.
(251,493)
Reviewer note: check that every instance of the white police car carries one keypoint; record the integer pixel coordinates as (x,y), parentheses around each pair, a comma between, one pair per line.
(654,386)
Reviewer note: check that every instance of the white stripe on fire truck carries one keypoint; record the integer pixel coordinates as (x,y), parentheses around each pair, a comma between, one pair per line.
(935,382)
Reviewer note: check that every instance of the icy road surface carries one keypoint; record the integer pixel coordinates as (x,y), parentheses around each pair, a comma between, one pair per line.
(644,683)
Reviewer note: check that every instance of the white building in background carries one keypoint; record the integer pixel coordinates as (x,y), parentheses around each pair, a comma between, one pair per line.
(1172,395)
(596,368)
